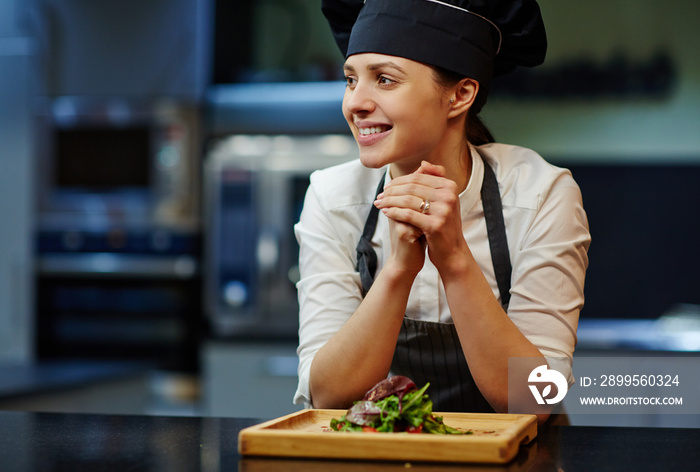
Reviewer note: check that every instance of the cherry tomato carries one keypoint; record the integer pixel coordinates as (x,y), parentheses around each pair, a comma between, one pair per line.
(369,429)
(415,429)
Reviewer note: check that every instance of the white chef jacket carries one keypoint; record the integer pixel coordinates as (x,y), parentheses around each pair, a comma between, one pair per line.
(548,240)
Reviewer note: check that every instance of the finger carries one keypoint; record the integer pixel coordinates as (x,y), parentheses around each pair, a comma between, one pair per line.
(409,202)
(418,188)
(411,217)
(427,168)
(413,183)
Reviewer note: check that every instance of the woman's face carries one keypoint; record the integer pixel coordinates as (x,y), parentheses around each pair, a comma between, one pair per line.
(395,110)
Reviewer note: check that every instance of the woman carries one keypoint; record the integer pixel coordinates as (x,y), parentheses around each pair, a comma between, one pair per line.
(438,255)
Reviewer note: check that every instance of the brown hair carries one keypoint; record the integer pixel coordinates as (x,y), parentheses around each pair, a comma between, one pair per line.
(476,131)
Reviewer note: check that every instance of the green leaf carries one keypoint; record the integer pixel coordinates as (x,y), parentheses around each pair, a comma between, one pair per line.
(414,409)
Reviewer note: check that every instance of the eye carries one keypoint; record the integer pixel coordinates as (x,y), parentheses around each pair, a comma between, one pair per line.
(384,80)
(350,81)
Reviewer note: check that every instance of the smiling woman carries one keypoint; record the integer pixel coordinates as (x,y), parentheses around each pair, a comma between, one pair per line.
(437,255)
(398,113)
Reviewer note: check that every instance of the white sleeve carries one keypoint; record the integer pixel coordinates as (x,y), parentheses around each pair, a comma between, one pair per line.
(329,288)
(549,268)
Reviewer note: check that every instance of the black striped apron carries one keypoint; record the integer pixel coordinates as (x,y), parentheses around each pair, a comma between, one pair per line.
(429,351)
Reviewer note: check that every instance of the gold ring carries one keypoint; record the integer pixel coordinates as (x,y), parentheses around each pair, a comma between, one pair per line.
(424,207)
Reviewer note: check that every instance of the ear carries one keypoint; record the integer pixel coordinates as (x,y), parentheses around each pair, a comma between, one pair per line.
(462,96)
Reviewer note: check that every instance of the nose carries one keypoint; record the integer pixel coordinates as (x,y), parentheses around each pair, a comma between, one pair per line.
(358,100)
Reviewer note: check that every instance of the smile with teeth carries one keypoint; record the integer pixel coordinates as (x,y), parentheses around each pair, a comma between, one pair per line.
(373,130)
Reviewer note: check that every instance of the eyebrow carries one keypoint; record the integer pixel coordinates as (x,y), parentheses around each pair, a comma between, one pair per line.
(377,65)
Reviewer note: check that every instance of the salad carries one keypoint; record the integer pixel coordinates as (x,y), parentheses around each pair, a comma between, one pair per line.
(394,405)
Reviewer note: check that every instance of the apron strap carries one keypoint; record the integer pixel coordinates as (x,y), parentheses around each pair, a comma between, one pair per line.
(366,256)
(496,229)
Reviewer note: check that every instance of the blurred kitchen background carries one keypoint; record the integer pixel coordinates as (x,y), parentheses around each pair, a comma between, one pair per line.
(154,155)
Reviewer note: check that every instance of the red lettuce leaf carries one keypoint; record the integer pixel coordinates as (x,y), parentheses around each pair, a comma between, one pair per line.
(397,385)
(363,413)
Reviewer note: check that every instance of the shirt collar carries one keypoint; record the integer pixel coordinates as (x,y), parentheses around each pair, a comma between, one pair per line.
(470,196)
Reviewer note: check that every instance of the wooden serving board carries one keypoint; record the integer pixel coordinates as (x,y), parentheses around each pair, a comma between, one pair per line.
(495,438)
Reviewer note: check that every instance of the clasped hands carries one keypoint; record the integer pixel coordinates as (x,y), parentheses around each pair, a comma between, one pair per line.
(424,211)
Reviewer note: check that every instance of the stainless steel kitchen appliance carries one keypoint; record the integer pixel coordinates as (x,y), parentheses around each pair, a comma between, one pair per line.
(118,118)
(118,231)
(254,191)
(115,160)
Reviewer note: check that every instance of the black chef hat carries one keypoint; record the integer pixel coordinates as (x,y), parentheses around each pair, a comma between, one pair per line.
(473,38)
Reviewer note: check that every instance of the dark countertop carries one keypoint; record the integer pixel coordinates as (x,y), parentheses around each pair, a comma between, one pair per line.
(26,379)
(40,442)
